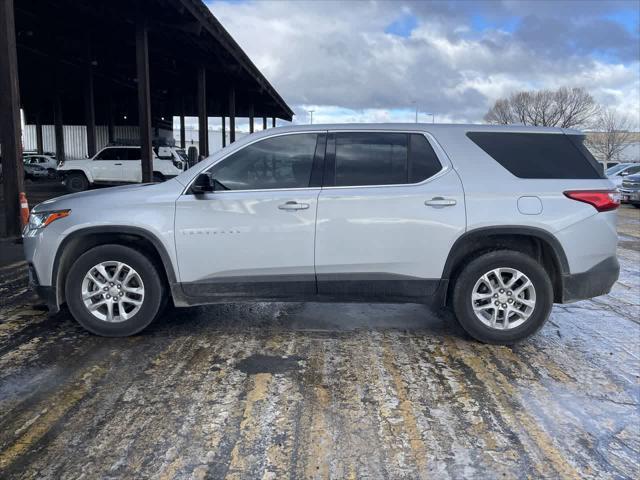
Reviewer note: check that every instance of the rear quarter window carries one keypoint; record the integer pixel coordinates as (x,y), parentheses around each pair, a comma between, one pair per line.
(539,155)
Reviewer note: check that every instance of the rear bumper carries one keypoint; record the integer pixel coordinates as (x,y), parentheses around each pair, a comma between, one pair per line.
(596,281)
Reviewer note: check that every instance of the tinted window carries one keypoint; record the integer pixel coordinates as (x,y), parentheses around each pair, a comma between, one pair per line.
(616,168)
(371,159)
(112,154)
(134,153)
(368,158)
(279,162)
(632,170)
(423,162)
(539,155)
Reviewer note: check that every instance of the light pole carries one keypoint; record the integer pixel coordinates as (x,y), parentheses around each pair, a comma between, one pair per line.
(311,115)
(433,117)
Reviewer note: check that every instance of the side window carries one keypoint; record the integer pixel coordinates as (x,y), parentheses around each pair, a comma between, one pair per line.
(133,154)
(632,170)
(377,158)
(112,154)
(364,158)
(423,161)
(280,162)
(539,155)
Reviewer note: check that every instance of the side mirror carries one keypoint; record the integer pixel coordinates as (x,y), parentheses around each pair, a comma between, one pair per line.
(202,184)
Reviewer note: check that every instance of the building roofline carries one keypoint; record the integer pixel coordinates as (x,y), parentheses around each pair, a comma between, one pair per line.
(202,13)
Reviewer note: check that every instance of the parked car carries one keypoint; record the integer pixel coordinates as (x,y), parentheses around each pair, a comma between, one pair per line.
(33,171)
(28,153)
(48,163)
(115,165)
(490,221)
(630,190)
(616,174)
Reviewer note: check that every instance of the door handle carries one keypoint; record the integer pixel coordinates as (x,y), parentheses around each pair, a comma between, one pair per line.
(293,205)
(440,202)
(117,164)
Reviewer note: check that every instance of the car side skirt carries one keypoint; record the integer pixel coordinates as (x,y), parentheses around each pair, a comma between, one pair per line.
(356,288)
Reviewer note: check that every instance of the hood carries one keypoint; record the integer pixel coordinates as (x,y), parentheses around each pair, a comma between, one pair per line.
(91,196)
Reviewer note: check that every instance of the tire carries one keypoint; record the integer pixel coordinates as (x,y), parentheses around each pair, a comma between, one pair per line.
(157,177)
(76,182)
(470,281)
(122,325)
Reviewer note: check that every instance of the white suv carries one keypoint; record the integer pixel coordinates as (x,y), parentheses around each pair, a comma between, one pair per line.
(119,164)
(495,222)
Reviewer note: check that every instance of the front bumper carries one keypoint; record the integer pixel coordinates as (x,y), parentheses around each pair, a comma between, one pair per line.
(47,294)
(596,281)
(629,196)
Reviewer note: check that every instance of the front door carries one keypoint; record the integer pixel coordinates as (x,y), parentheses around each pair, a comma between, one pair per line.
(254,235)
(388,215)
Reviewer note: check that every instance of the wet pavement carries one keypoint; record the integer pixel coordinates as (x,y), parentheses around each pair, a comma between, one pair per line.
(322,391)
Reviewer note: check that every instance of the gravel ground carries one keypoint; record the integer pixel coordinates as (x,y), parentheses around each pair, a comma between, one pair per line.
(322,391)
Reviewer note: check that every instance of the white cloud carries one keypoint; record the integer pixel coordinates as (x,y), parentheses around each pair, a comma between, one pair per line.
(335,57)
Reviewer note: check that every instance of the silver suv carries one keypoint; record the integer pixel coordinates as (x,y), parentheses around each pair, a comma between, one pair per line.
(497,223)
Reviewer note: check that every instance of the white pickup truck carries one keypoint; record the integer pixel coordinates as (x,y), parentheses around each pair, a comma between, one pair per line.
(116,165)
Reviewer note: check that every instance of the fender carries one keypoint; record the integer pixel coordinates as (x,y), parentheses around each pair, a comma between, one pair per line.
(460,246)
(116,229)
(81,169)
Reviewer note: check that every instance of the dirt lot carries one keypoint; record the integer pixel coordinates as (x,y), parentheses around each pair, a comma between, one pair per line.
(322,391)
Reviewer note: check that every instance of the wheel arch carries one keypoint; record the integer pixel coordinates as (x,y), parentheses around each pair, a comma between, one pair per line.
(80,241)
(82,171)
(536,242)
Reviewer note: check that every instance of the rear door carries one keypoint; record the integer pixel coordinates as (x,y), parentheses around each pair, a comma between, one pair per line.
(254,236)
(388,214)
(132,166)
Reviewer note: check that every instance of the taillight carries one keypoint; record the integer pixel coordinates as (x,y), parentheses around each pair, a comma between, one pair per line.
(601,200)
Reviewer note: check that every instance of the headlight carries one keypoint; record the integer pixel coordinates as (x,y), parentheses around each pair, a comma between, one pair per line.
(42,219)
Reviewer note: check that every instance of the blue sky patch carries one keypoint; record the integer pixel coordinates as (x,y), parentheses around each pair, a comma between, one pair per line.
(403,26)
(629,18)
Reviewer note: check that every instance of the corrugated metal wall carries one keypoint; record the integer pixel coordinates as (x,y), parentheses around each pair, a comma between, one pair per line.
(75,138)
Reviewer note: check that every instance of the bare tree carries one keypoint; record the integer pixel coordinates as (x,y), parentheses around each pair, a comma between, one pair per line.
(612,135)
(565,107)
(500,113)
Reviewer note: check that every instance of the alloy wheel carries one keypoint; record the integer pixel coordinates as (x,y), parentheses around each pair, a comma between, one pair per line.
(503,298)
(112,291)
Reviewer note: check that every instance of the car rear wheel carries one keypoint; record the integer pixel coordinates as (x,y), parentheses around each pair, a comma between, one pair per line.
(76,182)
(114,291)
(502,297)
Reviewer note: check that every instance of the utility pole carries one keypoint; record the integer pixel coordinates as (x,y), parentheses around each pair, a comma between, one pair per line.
(311,114)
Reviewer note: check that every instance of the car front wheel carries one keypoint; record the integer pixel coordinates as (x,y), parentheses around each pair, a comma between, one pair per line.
(502,297)
(114,291)
(76,182)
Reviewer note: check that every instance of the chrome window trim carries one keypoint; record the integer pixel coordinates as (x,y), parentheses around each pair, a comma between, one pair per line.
(438,150)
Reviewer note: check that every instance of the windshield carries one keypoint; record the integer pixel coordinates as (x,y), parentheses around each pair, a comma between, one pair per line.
(182,154)
(616,168)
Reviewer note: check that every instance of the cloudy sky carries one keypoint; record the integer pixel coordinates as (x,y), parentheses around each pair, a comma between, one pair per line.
(361,60)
